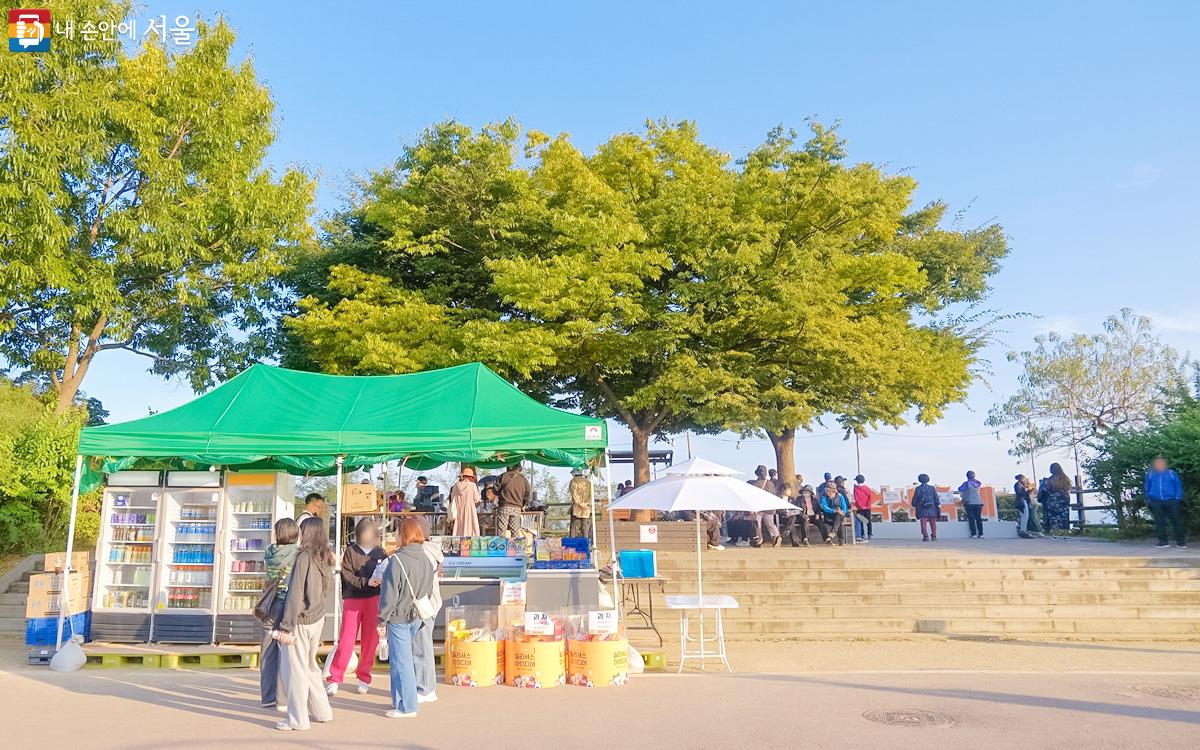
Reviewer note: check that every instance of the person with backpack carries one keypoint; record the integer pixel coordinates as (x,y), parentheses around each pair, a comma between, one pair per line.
(972,502)
(1164,497)
(279,558)
(927,505)
(298,629)
(404,602)
(360,608)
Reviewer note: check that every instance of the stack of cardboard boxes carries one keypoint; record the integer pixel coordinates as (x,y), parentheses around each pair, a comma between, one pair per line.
(46,598)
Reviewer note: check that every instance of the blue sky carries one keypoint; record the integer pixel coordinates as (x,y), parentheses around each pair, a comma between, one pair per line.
(1074,126)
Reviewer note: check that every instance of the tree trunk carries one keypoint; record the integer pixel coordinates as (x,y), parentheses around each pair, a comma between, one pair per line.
(784,443)
(641,468)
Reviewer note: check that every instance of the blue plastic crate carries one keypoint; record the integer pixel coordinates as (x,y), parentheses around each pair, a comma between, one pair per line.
(43,631)
(637,563)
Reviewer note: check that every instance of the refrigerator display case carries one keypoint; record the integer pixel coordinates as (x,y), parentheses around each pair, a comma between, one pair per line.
(185,585)
(121,597)
(253,503)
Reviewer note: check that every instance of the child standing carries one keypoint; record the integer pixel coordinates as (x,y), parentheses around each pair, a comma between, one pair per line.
(360,607)
(928,508)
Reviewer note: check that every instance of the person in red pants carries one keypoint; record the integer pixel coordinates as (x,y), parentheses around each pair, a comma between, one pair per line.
(360,607)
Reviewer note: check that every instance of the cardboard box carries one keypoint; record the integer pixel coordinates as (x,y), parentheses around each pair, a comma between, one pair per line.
(55,561)
(45,594)
(52,582)
(359,498)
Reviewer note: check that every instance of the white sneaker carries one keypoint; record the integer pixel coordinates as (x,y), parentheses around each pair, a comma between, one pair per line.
(363,688)
(281,708)
(394,714)
(427,698)
(716,546)
(331,689)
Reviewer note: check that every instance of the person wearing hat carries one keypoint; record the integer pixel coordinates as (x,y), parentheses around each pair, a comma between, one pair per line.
(580,491)
(766,528)
(464,503)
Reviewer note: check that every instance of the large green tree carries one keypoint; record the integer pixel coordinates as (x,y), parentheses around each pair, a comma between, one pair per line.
(136,212)
(654,281)
(845,312)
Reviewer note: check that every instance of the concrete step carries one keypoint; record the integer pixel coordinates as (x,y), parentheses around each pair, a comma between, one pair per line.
(786,572)
(961,598)
(19,587)
(12,625)
(934,581)
(682,586)
(964,611)
(759,559)
(12,611)
(13,599)
(967,626)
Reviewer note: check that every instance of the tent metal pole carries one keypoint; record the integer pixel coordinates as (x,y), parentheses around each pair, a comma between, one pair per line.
(612,533)
(337,541)
(700,588)
(66,582)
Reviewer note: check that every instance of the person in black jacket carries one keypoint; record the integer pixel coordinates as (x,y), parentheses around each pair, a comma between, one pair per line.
(360,607)
(928,508)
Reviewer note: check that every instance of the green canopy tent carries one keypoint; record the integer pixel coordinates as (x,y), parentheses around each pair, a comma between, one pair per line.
(269,418)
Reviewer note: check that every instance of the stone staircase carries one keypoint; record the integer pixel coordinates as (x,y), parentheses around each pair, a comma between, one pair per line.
(12,603)
(787,597)
(821,592)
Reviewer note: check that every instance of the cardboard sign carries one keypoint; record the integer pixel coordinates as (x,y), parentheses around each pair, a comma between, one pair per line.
(602,622)
(512,592)
(649,533)
(538,623)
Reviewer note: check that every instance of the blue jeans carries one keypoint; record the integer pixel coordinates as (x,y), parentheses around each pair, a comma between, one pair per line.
(402,666)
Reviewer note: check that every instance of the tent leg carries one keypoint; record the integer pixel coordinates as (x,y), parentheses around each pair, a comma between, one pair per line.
(700,588)
(337,541)
(66,582)
(612,533)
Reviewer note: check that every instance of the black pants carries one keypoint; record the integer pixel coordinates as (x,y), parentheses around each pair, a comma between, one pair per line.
(974,519)
(1164,511)
(834,522)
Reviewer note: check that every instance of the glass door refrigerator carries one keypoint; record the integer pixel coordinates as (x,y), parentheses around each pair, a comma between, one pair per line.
(253,503)
(129,525)
(185,583)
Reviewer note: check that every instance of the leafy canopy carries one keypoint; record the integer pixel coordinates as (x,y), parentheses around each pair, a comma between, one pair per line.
(135,210)
(654,281)
(1076,388)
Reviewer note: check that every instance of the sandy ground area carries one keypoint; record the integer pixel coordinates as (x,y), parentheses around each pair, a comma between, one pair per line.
(919,693)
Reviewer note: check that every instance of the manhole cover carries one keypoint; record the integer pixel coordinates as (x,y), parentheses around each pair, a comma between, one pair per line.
(1175,692)
(910,717)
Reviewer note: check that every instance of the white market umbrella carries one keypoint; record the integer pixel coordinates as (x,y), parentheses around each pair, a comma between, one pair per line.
(697,467)
(698,492)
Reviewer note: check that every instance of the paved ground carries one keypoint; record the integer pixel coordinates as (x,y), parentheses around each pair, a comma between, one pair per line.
(1034,695)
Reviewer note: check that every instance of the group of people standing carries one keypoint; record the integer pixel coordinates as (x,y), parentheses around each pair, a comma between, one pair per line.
(394,596)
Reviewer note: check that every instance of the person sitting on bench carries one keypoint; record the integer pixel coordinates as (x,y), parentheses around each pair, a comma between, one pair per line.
(834,506)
